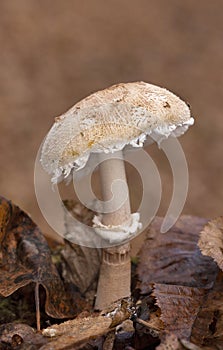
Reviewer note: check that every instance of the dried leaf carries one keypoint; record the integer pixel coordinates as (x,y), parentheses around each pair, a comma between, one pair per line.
(124,336)
(171,342)
(109,341)
(179,307)
(211,240)
(26,258)
(11,333)
(120,311)
(174,257)
(153,326)
(208,327)
(72,333)
(182,275)
(81,264)
(190,346)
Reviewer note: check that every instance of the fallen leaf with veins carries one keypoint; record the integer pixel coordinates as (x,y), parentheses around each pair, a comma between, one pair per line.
(174,257)
(208,326)
(211,240)
(180,277)
(25,258)
(179,307)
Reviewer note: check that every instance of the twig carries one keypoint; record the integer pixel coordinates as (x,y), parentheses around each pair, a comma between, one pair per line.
(37,307)
(146,324)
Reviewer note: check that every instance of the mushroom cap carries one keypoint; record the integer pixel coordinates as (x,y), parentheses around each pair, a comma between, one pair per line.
(108,120)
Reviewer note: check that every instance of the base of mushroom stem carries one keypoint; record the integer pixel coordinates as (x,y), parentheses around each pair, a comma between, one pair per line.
(115,276)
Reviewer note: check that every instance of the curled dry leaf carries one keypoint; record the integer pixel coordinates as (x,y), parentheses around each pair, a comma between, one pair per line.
(119,311)
(12,333)
(211,240)
(80,264)
(75,332)
(174,257)
(71,334)
(179,307)
(208,326)
(25,257)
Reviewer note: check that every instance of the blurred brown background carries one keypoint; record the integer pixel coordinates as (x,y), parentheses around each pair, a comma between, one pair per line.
(54,52)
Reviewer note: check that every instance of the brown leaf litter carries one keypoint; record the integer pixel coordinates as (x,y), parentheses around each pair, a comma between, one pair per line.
(25,257)
(180,289)
(187,286)
(80,264)
(211,240)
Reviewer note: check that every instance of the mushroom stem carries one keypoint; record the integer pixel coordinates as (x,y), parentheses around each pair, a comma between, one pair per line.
(112,169)
(115,272)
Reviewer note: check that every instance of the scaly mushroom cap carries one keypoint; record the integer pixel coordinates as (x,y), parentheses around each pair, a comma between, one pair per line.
(110,119)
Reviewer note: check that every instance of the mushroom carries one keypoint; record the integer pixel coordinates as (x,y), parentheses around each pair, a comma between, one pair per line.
(106,122)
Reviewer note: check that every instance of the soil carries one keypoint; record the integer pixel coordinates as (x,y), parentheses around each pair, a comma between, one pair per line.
(53,53)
